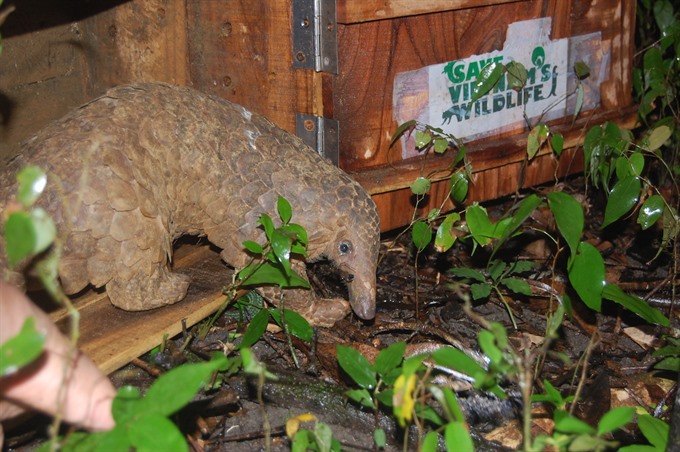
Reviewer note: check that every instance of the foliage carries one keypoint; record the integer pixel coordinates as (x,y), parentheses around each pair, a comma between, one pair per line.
(142,423)
(22,349)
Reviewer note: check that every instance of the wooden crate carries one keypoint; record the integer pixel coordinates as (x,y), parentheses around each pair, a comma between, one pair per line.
(248,52)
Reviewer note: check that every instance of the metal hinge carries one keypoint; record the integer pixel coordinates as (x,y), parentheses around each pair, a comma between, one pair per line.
(321,134)
(315,39)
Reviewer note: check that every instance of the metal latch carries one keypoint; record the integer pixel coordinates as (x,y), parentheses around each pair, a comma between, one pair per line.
(315,39)
(321,134)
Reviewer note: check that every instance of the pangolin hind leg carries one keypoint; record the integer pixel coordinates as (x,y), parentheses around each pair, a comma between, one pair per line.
(141,291)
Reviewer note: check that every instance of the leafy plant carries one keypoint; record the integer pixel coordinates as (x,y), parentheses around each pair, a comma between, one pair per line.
(142,422)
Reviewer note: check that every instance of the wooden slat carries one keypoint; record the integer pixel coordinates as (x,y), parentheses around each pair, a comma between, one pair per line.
(354,11)
(112,337)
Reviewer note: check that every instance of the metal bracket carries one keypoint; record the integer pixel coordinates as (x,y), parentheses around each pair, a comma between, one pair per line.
(315,39)
(321,134)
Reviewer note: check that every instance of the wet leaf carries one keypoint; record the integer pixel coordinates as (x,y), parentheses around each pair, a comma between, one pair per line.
(356,366)
(458,185)
(537,137)
(488,77)
(401,129)
(297,325)
(422,139)
(569,217)
(22,349)
(581,69)
(32,181)
(253,247)
(441,145)
(256,328)
(504,229)
(622,198)
(516,75)
(651,211)
(457,437)
(587,275)
(284,209)
(634,304)
(421,234)
(557,143)
(658,137)
(655,430)
(479,224)
(615,419)
(389,358)
(421,186)
(444,239)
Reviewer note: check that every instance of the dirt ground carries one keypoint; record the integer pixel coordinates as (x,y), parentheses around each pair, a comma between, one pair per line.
(606,356)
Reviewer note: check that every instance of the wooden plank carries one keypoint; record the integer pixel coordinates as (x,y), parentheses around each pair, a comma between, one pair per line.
(137,41)
(242,51)
(371,54)
(354,11)
(112,337)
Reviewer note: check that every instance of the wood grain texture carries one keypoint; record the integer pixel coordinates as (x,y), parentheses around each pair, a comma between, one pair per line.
(242,51)
(353,11)
(112,337)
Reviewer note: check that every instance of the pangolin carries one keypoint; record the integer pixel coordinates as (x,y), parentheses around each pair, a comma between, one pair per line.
(135,169)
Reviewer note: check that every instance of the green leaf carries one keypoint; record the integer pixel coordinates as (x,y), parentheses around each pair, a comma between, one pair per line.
(458,186)
(356,366)
(479,224)
(581,69)
(256,328)
(580,94)
(517,285)
(615,419)
(401,129)
(622,198)
(281,245)
(32,181)
(464,272)
(637,305)
(22,349)
(125,405)
(175,388)
(587,275)
(480,291)
(487,342)
(655,430)
(380,438)
(421,234)
(455,359)
(253,247)
(488,77)
(444,239)
(422,139)
(430,442)
(508,226)
(569,218)
(651,211)
(421,186)
(267,224)
(557,143)
(20,237)
(441,145)
(267,273)
(658,137)
(389,358)
(154,432)
(457,437)
(566,423)
(284,209)
(663,15)
(360,396)
(297,325)
(537,137)
(516,75)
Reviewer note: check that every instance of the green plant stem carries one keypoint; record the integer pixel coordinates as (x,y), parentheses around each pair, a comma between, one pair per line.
(507,306)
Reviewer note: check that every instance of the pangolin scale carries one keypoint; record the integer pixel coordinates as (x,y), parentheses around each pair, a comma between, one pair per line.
(137,168)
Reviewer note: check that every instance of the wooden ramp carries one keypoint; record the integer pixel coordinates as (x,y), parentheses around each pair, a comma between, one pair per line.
(112,337)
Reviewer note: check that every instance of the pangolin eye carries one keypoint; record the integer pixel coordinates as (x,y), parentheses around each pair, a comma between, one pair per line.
(345,247)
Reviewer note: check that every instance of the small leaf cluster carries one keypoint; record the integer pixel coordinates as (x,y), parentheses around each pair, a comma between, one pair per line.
(142,422)
(400,384)
(273,265)
(319,439)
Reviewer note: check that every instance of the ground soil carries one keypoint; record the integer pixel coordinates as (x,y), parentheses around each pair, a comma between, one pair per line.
(607,357)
